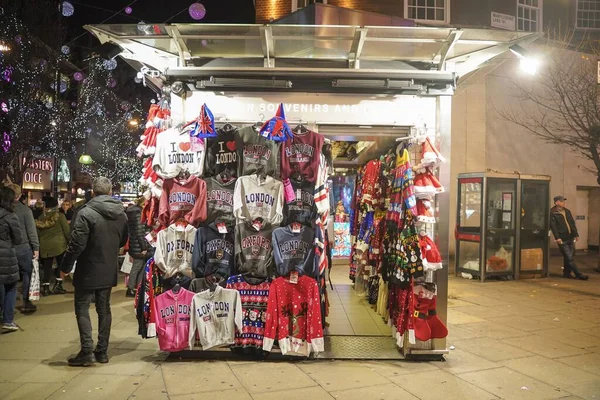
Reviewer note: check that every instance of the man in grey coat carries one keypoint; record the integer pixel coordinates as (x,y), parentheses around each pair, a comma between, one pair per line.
(29,249)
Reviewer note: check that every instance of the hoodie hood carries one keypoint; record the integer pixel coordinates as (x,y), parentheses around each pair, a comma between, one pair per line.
(106,206)
(48,219)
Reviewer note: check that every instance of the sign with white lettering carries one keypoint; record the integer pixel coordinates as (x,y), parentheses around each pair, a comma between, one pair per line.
(38,174)
(503,21)
(311,108)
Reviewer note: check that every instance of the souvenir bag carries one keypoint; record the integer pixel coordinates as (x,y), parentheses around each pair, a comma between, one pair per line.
(127,264)
(34,282)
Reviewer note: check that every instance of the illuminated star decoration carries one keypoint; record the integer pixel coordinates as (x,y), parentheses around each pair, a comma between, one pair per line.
(277,128)
(205,124)
(6,142)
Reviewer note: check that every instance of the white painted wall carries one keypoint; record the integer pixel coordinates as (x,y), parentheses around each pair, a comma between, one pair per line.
(482,139)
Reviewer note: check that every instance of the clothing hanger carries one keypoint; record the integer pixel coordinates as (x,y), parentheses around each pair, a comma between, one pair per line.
(300,128)
(259,123)
(177,280)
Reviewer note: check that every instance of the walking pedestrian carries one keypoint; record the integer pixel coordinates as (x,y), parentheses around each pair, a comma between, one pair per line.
(54,234)
(566,235)
(138,245)
(29,249)
(67,210)
(10,237)
(99,231)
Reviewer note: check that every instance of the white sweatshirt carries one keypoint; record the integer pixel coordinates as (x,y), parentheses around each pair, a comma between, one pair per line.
(216,315)
(175,153)
(174,248)
(255,197)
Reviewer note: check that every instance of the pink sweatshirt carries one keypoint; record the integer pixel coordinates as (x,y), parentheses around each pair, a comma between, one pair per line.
(172,318)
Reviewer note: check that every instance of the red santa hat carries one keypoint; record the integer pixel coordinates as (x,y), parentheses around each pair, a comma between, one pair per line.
(430,155)
(425,211)
(432,260)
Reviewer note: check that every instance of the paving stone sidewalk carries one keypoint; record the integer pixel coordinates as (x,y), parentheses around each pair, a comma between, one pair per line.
(530,339)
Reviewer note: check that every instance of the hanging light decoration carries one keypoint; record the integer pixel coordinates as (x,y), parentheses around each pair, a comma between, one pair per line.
(128,10)
(67,9)
(110,64)
(65,50)
(197,11)
(78,76)
(85,159)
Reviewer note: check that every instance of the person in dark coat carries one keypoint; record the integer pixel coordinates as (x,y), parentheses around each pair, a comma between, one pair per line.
(138,245)
(10,237)
(99,231)
(565,233)
(66,209)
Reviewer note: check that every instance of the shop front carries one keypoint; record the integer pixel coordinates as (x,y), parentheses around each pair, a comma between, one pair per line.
(38,178)
(370,93)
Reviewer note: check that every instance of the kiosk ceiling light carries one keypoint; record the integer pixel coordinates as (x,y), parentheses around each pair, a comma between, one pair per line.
(376,84)
(241,82)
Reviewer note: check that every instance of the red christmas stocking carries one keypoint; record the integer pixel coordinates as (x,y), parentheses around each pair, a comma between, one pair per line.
(436,326)
(422,329)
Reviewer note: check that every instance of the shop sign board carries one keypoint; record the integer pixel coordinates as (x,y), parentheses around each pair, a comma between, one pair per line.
(400,110)
(38,174)
(503,21)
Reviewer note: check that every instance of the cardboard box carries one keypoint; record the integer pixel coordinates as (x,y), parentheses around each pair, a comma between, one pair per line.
(532,259)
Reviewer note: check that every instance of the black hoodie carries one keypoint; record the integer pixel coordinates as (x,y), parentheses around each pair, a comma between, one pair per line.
(97,235)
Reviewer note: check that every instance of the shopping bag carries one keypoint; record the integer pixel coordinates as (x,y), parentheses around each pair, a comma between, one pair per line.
(34,282)
(127,264)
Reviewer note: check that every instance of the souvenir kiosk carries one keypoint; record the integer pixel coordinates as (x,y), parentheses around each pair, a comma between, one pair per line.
(353,83)
(502,226)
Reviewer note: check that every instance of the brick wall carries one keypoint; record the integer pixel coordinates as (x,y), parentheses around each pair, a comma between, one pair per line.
(387,7)
(268,10)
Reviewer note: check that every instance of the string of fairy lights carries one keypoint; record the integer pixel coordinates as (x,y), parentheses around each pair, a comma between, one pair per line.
(34,119)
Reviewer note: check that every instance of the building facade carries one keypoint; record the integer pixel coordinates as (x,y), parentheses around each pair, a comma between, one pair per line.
(521,15)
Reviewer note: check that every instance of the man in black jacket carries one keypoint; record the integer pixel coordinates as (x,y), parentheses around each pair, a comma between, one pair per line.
(97,234)
(139,248)
(565,233)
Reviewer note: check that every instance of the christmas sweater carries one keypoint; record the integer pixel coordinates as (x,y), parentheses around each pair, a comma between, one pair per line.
(172,319)
(255,296)
(221,153)
(302,208)
(294,251)
(216,316)
(254,250)
(256,154)
(219,199)
(174,248)
(256,197)
(183,199)
(213,251)
(301,155)
(294,317)
(175,153)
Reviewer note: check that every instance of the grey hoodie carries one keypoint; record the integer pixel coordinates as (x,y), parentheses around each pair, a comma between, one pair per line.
(256,155)
(254,250)
(257,197)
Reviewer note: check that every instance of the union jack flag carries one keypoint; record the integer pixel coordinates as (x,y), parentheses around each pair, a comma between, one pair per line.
(205,124)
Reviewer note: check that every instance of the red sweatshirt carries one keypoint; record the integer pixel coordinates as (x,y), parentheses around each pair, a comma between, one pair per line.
(302,154)
(183,199)
(294,317)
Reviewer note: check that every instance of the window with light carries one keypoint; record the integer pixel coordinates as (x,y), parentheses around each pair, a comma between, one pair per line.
(427,10)
(529,15)
(588,14)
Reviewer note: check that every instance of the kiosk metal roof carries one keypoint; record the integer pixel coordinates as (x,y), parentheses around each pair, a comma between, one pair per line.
(188,51)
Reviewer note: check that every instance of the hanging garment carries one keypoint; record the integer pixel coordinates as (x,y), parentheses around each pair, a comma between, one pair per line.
(321,187)
(254,250)
(183,199)
(219,199)
(301,155)
(425,211)
(258,197)
(254,294)
(294,251)
(432,261)
(217,316)
(172,319)
(302,208)
(174,248)
(213,251)
(430,156)
(221,153)
(175,153)
(256,154)
(294,317)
